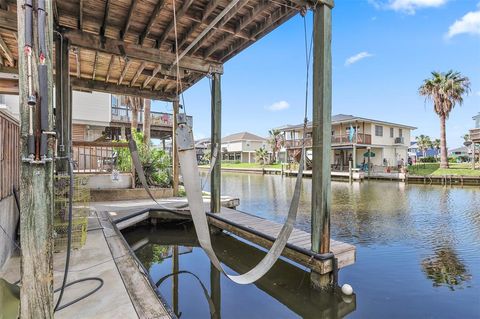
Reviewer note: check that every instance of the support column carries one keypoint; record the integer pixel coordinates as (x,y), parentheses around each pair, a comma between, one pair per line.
(321,139)
(216,136)
(175,163)
(354,156)
(63,105)
(36,187)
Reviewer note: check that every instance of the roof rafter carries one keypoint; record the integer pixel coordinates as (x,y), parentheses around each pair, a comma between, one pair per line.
(107,76)
(6,52)
(149,78)
(137,74)
(124,31)
(105,18)
(124,71)
(180,13)
(156,12)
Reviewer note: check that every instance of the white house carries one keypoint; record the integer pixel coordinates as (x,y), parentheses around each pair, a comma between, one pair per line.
(241,147)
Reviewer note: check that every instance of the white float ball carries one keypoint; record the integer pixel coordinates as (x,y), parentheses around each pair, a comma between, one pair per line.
(347,289)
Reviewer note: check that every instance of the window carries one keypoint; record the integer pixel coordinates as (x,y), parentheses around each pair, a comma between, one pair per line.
(391,132)
(400,132)
(378,130)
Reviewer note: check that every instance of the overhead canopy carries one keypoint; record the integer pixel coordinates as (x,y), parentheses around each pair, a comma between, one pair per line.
(128,46)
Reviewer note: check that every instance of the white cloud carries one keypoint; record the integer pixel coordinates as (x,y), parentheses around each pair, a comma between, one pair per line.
(469,24)
(278,106)
(357,57)
(406,6)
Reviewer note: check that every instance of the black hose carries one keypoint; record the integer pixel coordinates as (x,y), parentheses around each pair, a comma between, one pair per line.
(28,23)
(69,246)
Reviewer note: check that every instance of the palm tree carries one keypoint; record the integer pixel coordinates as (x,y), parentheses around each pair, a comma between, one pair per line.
(436,145)
(424,143)
(276,142)
(445,90)
(261,155)
(135,105)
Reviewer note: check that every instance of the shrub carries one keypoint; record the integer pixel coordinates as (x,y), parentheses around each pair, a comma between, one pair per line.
(428,159)
(156,163)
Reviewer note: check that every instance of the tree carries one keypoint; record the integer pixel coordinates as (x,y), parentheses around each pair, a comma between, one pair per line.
(436,145)
(276,142)
(445,90)
(135,105)
(423,143)
(146,120)
(261,156)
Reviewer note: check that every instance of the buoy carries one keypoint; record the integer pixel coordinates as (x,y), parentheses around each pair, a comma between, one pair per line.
(347,289)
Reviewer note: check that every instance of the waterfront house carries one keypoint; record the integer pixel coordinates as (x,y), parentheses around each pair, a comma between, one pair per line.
(352,137)
(241,147)
(475,133)
(97,115)
(415,152)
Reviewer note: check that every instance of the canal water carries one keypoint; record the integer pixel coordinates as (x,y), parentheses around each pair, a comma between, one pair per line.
(418,254)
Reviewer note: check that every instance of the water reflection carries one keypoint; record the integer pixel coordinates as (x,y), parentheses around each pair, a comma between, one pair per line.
(283,293)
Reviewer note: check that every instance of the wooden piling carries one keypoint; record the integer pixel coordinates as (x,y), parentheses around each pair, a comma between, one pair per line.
(36,187)
(216,143)
(321,141)
(175,162)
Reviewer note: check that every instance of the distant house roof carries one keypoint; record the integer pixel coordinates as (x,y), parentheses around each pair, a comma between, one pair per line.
(461,149)
(344,118)
(243,136)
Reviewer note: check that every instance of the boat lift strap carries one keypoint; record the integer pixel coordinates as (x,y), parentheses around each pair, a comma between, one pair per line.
(192,183)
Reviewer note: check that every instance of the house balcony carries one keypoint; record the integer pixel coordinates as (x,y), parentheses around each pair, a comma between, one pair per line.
(160,119)
(475,135)
(360,138)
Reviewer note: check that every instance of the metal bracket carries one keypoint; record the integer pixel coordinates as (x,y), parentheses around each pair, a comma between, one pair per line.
(184,134)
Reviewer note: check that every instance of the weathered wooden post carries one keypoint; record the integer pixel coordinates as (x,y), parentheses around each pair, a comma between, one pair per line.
(175,162)
(36,188)
(216,143)
(175,269)
(215,290)
(321,142)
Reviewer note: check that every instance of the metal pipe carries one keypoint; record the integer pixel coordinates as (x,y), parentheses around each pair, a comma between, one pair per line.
(31,101)
(42,76)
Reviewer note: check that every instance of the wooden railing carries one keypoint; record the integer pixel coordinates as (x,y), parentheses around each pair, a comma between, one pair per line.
(9,154)
(475,135)
(95,157)
(121,114)
(359,138)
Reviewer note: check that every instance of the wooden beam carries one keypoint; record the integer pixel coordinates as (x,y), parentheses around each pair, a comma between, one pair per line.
(6,52)
(212,4)
(80,15)
(216,136)
(257,10)
(36,188)
(105,18)
(157,84)
(95,65)
(321,137)
(180,13)
(156,12)
(9,86)
(124,31)
(8,20)
(3,4)
(154,73)
(137,74)
(113,88)
(175,161)
(107,76)
(124,71)
(199,22)
(134,51)
(77,62)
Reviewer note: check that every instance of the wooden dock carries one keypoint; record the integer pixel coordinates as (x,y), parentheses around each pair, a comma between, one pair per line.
(263,232)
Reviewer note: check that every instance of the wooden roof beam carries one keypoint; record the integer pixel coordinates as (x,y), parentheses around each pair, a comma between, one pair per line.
(113,88)
(80,15)
(124,31)
(137,74)
(95,65)
(111,46)
(105,19)
(156,12)
(107,76)
(8,20)
(6,52)
(77,62)
(249,18)
(212,4)
(124,71)
(149,78)
(180,13)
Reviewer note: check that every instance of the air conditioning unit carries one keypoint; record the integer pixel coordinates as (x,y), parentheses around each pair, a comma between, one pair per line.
(399,140)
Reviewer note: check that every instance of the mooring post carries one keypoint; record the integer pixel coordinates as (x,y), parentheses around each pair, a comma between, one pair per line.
(36,187)
(63,105)
(321,143)
(216,143)
(175,163)
(175,269)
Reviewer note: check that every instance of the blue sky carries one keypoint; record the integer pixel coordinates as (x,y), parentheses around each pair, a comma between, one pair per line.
(382,50)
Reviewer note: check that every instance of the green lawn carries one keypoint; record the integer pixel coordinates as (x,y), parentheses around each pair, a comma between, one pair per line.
(434,169)
(247,165)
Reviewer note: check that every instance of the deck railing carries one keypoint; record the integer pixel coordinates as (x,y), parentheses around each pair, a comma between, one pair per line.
(336,139)
(123,115)
(475,135)
(95,157)
(9,154)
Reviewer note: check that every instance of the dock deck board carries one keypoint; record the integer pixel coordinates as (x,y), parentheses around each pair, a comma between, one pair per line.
(229,219)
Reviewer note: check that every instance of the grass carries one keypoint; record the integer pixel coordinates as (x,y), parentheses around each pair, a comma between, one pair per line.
(247,165)
(425,169)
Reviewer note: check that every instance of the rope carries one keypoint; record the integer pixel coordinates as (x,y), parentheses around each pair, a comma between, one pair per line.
(178,79)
